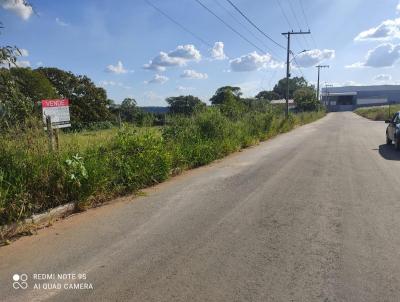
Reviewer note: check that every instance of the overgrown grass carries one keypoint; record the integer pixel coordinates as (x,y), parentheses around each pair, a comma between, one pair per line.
(93,167)
(82,140)
(378,113)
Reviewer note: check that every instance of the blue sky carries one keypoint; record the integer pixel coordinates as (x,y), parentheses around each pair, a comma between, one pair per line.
(132,50)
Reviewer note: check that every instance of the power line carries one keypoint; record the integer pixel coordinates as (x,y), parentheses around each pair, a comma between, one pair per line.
(294,13)
(288,52)
(286,17)
(298,66)
(271,78)
(178,24)
(319,69)
(304,14)
(244,26)
(284,14)
(254,25)
(298,24)
(230,27)
(306,19)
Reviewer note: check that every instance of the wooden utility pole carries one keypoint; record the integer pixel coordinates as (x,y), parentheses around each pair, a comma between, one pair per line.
(288,34)
(319,68)
(119,118)
(328,95)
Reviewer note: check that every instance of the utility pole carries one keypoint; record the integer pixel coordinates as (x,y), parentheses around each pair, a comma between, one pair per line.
(328,95)
(319,68)
(288,34)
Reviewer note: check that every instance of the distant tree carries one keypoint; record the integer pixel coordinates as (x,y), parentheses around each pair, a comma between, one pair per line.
(33,84)
(186,105)
(230,105)
(129,110)
(88,102)
(253,104)
(294,84)
(8,54)
(220,94)
(267,95)
(145,119)
(306,100)
(15,107)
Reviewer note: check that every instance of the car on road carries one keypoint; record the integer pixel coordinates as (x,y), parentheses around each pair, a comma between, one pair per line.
(393,130)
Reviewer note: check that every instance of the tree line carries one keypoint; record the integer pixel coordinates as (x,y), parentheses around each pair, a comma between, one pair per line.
(22,89)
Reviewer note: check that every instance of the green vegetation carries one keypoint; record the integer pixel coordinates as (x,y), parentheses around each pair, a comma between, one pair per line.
(378,113)
(119,149)
(22,89)
(306,99)
(220,94)
(187,105)
(294,84)
(95,166)
(268,95)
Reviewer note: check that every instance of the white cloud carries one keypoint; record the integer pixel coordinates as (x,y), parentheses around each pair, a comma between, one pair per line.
(118,69)
(355,65)
(346,83)
(165,60)
(115,84)
(217,52)
(183,88)
(383,78)
(351,83)
(106,83)
(40,63)
(177,57)
(398,7)
(384,55)
(151,66)
(187,52)
(249,89)
(253,61)
(313,57)
(61,22)
(192,74)
(153,98)
(20,7)
(388,29)
(157,79)
(23,64)
(24,52)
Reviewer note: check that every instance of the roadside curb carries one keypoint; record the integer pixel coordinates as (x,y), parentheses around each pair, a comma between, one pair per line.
(30,225)
(35,222)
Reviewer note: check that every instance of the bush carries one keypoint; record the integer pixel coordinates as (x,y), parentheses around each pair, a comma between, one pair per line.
(138,160)
(378,113)
(306,100)
(33,180)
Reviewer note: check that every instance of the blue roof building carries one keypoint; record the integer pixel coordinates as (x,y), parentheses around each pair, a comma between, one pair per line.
(351,97)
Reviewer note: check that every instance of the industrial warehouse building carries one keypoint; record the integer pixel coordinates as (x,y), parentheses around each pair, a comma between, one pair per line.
(351,97)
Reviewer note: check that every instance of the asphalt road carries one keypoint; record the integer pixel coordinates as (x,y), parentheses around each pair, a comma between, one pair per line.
(312,215)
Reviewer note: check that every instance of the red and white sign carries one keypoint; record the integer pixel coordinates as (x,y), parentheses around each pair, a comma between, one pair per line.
(58,110)
(55,103)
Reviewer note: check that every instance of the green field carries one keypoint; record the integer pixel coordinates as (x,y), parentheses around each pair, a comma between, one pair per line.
(81,141)
(378,113)
(94,166)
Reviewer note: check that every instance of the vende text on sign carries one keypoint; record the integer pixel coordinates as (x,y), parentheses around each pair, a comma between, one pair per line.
(58,110)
